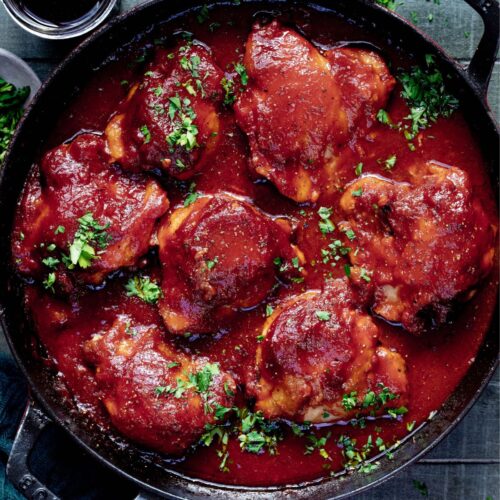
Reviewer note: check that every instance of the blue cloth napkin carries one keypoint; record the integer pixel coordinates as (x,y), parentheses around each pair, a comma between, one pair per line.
(13,396)
(56,460)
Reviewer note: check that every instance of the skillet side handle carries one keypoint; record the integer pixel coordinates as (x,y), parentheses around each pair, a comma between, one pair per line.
(483,60)
(30,428)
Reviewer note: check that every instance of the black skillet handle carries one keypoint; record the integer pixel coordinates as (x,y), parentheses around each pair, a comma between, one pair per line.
(483,60)
(32,424)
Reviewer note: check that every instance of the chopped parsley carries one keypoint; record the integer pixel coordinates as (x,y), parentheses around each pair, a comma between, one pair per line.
(383,117)
(410,426)
(358,169)
(269,310)
(323,315)
(185,131)
(143,288)
(255,433)
(48,283)
(319,444)
(364,275)
(81,252)
(192,65)
(389,4)
(421,487)
(326,226)
(60,230)
(50,262)
(211,263)
(228,88)
(242,72)
(390,162)
(12,99)
(425,93)
(355,458)
(351,235)
(334,252)
(146,134)
(347,270)
(357,192)
(203,14)
(192,195)
(376,401)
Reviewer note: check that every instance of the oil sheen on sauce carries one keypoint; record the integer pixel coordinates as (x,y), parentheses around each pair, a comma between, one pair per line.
(436,362)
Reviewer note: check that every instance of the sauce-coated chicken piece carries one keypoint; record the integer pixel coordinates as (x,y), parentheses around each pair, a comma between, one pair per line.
(301,106)
(417,245)
(219,255)
(169,120)
(62,225)
(317,347)
(156,396)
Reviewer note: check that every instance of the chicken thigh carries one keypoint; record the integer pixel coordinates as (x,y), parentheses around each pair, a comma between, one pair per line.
(169,120)
(316,348)
(155,395)
(220,255)
(417,245)
(83,217)
(301,105)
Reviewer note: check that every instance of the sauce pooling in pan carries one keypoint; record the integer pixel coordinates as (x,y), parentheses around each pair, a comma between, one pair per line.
(245,245)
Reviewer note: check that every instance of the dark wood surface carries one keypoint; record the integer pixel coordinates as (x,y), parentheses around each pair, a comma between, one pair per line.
(466,465)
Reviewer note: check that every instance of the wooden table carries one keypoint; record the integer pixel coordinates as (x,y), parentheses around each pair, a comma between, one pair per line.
(466,464)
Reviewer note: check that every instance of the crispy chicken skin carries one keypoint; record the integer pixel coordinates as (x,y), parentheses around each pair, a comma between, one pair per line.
(75,179)
(301,105)
(218,255)
(138,373)
(419,244)
(138,134)
(317,347)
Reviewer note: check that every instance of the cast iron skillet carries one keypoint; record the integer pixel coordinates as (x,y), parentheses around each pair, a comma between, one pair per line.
(145,470)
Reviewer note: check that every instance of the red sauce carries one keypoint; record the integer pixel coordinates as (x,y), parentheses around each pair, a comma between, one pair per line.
(436,362)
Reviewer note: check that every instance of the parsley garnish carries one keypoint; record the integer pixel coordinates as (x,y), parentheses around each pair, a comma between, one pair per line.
(389,4)
(81,252)
(228,88)
(192,65)
(325,224)
(192,195)
(143,288)
(203,15)
(241,70)
(11,110)
(211,263)
(421,487)
(319,444)
(146,134)
(185,131)
(358,169)
(364,275)
(323,315)
(425,93)
(390,162)
(48,283)
(51,262)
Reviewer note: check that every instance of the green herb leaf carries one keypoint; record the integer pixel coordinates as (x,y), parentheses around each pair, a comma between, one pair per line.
(143,288)
(241,70)
(323,315)
(145,134)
